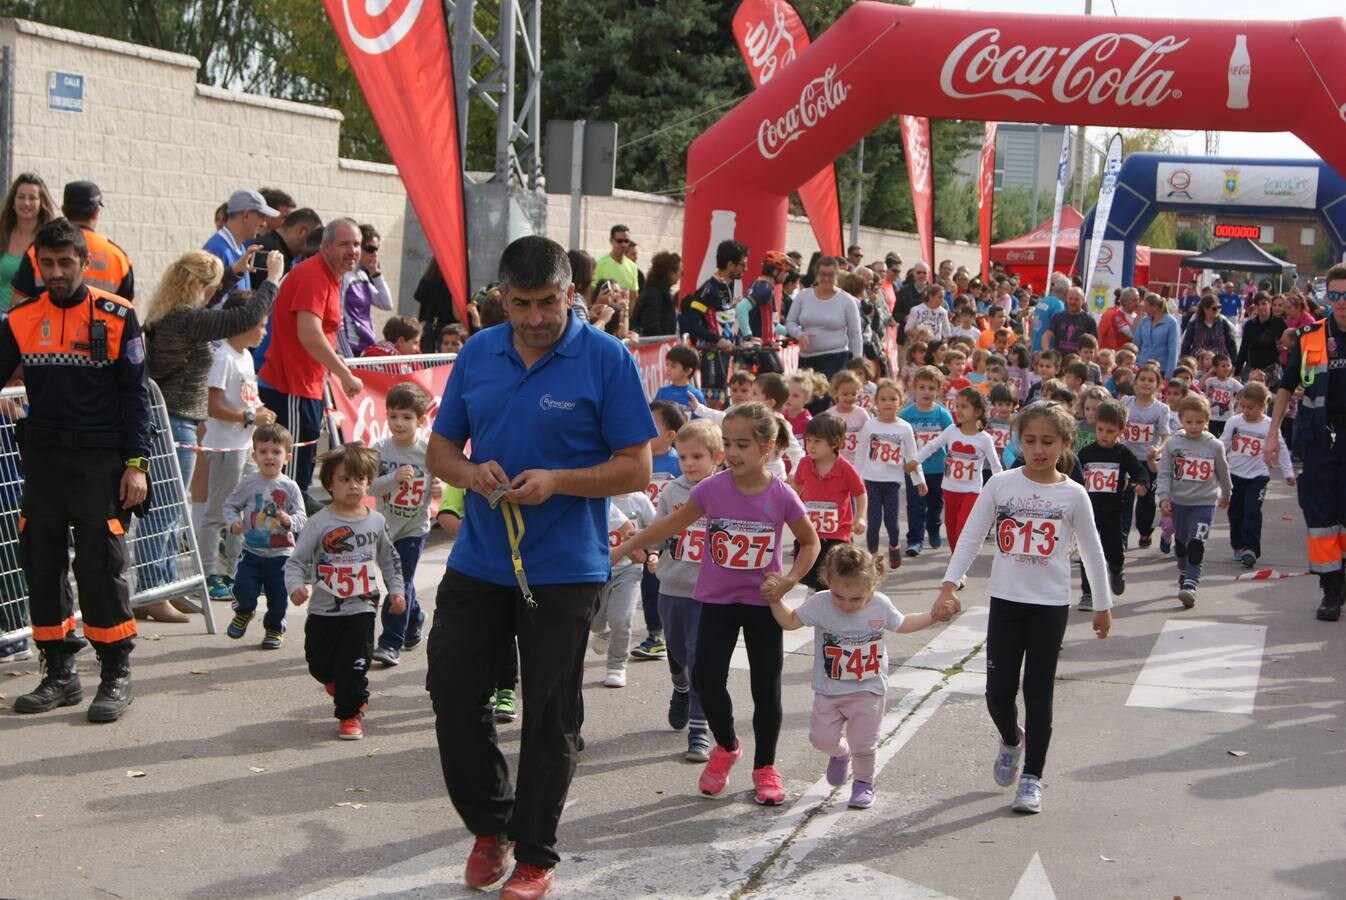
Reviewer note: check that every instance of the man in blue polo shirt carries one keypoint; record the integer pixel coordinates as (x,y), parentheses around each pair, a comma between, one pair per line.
(555,412)
(1047,308)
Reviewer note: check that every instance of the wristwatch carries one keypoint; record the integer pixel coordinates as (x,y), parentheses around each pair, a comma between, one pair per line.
(138,462)
(248,418)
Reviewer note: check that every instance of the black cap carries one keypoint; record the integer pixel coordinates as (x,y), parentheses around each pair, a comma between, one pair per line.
(82,195)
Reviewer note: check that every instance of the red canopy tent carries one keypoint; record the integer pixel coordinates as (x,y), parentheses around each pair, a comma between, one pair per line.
(1026,255)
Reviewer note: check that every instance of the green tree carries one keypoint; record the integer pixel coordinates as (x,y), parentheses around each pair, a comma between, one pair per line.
(1162,233)
(1324,256)
(1187,239)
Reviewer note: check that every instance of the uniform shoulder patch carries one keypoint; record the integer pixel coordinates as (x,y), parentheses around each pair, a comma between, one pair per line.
(135,351)
(1305,329)
(116,309)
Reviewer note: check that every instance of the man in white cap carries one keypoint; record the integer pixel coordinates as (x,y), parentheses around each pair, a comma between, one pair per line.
(246,214)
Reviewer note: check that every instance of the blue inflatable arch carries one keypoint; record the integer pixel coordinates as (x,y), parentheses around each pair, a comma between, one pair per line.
(1150,183)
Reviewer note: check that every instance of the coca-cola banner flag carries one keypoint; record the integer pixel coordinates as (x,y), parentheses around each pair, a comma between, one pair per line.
(770,35)
(1108,72)
(916,147)
(1062,166)
(1107,189)
(985,196)
(399,52)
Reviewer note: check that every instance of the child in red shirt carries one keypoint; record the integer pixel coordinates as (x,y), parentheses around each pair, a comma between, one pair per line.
(827,484)
(956,362)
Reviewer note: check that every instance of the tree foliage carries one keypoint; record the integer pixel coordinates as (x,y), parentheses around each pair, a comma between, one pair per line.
(1162,233)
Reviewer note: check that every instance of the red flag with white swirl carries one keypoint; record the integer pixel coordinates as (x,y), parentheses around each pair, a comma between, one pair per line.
(770,35)
(399,52)
(916,148)
(985,196)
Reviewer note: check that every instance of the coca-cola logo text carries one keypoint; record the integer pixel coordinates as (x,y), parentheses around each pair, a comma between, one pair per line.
(770,48)
(819,97)
(1095,72)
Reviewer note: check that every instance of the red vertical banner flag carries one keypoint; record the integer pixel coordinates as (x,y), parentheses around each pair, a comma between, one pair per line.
(985,196)
(770,35)
(399,52)
(916,148)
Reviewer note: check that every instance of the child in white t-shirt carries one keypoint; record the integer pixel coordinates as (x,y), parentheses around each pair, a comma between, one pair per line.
(234,409)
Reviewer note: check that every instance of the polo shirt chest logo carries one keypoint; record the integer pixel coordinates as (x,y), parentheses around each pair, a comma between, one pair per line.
(547,402)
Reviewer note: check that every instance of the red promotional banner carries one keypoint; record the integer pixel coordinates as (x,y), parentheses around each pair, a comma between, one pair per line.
(916,147)
(770,35)
(986,195)
(399,52)
(364,418)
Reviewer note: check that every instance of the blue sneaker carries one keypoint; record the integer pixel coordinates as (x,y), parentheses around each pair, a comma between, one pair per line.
(914,549)
(679,709)
(220,587)
(934,541)
(1165,546)
(238,626)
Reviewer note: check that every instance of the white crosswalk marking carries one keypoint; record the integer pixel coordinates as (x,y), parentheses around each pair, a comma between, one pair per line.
(1202,666)
(1033,884)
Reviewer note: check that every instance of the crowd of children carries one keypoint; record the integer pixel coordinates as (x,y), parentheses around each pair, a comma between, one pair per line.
(1045,454)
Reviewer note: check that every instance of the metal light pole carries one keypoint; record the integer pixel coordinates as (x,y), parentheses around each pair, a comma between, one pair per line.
(859,192)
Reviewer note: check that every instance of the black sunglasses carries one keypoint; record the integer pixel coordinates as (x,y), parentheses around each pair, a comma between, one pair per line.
(1336,295)
(623,240)
(370,248)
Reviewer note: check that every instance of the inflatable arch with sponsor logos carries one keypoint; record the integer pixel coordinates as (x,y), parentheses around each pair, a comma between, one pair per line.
(1069,70)
(1150,183)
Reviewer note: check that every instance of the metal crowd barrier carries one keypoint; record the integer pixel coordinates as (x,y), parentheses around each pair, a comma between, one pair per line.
(165,561)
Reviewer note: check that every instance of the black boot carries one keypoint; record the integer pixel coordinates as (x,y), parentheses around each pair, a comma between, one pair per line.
(1334,593)
(59,685)
(114,691)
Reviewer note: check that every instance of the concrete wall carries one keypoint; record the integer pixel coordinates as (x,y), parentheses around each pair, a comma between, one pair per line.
(167,151)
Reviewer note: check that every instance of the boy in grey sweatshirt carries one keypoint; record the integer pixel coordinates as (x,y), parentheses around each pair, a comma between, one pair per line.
(1193,480)
(339,553)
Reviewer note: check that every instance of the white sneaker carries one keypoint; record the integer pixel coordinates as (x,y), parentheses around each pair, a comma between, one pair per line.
(616,678)
(1028,799)
(600,643)
(1007,762)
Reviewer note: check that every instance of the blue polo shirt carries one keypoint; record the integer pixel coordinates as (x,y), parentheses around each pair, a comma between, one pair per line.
(573,409)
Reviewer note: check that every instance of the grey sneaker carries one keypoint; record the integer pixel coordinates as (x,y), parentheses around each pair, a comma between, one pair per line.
(1187,595)
(1007,762)
(1028,798)
(1086,603)
(698,745)
(1248,559)
(862,795)
(387,656)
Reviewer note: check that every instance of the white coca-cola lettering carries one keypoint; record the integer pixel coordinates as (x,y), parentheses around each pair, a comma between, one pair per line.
(770,48)
(919,151)
(979,59)
(818,98)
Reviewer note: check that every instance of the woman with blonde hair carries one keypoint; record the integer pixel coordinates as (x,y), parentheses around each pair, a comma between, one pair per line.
(179,330)
(28,206)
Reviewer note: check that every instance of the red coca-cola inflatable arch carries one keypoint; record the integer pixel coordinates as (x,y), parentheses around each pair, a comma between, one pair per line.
(879,60)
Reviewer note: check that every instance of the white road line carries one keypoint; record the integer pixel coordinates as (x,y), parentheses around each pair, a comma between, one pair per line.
(850,881)
(1202,666)
(1033,884)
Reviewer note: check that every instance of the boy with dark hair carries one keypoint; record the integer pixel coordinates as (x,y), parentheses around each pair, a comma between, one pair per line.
(680,364)
(267,509)
(401,337)
(1106,467)
(337,553)
(402,488)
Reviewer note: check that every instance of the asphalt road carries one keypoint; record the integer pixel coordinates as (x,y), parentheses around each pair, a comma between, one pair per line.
(1196,754)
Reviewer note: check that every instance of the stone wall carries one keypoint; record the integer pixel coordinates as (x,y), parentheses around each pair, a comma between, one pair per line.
(167,151)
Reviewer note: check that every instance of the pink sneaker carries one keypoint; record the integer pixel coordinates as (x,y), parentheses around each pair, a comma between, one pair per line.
(716,772)
(770,791)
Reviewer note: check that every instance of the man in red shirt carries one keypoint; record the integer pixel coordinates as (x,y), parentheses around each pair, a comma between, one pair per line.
(1114,326)
(304,323)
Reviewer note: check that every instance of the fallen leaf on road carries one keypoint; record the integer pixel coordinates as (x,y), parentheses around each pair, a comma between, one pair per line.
(357,790)
(200,671)
(39,815)
(1287,518)
(153,637)
(1237,752)
(1106,858)
(256,768)
(353,805)
(134,773)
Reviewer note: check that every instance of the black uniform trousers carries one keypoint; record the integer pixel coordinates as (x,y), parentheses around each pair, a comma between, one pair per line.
(79,488)
(473,623)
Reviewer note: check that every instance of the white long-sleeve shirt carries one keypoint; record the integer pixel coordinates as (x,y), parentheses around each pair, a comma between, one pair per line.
(936,318)
(1243,442)
(968,455)
(883,449)
(1034,524)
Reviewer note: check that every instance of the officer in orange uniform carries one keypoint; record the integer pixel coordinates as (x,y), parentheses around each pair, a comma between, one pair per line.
(1317,363)
(84,447)
(109,267)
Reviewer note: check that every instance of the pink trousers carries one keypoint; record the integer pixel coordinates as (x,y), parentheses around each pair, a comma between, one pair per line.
(859,714)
